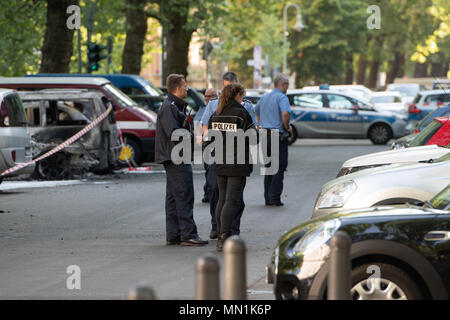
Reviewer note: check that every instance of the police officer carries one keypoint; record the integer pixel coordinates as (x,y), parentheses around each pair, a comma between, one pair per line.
(273,113)
(180,224)
(231,120)
(227,79)
(210,94)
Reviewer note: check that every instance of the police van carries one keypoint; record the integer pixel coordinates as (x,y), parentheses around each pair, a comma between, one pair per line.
(333,114)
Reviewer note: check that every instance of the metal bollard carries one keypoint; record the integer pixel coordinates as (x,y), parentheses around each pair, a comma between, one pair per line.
(142,293)
(235,269)
(339,282)
(207,271)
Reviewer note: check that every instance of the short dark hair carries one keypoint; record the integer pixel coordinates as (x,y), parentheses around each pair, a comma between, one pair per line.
(174,81)
(230,76)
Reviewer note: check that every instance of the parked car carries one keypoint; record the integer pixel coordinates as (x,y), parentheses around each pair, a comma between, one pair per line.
(332,114)
(408,90)
(425,102)
(387,185)
(351,89)
(150,103)
(56,115)
(15,141)
(137,125)
(404,142)
(130,84)
(408,248)
(389,101)
(385,158)
(435,133)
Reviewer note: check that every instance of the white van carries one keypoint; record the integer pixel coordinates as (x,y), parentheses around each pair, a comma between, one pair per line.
(15,140)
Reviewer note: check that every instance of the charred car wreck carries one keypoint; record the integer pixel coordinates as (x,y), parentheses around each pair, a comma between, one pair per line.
(56,115)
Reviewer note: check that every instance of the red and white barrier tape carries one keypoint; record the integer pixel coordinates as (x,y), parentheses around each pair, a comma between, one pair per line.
(69,141)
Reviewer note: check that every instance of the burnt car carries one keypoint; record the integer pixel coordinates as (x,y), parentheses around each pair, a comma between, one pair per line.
(56,115)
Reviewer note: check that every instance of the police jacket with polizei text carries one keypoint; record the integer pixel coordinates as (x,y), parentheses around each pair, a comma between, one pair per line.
(171,116)
(233,117)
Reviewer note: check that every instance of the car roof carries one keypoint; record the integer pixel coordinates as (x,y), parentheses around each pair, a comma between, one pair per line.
(296,91)
(54,80)
(430,92)
(387,93)
(61,94)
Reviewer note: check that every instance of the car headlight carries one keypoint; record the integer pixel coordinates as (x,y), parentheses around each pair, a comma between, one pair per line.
(317,236)
(336,196)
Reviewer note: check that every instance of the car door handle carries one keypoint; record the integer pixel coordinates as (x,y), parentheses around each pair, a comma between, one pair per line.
(437,236)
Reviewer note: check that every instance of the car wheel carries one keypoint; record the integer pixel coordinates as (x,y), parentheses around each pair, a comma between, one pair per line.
(293,136)
(130,151)
(393,284)
(54,167)
(380,133)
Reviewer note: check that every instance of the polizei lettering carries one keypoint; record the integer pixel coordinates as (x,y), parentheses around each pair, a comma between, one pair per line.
(222,126)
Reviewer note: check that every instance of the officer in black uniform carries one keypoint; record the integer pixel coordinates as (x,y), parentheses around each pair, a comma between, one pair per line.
(180,224)
(232,120)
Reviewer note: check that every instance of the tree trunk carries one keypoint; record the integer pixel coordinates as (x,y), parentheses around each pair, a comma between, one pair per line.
(421,70)
(349,72)
(177,38)
(438,70)
(374,66)
(361,73)
(396,67)
(136,27)
(58,46)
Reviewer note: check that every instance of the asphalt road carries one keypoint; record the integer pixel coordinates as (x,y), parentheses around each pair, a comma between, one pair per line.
(113,228)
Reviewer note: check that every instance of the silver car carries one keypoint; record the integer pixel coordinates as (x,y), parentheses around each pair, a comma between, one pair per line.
(394,184)
(332,114)
(15,141)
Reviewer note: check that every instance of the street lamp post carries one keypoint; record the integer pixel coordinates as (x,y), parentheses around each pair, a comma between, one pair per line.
(299,26)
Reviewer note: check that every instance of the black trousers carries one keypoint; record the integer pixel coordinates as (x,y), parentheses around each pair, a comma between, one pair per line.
(273,184)
(214,198)
(179,202)
(231,201)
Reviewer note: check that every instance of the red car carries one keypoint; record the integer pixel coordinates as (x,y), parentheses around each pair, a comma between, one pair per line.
(437,132)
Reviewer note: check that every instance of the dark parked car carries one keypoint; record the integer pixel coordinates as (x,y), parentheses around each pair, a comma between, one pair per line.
(409,245)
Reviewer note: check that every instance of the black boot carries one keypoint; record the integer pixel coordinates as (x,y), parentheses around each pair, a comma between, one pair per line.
(221,240)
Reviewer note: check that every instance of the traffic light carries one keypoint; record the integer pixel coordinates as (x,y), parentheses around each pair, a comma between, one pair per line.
(207,48)
(94,56)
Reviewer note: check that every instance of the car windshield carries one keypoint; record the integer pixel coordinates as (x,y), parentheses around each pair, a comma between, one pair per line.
(406,90)
(442,199)
(445,157)
(439,112)
(123,99)
(426,134)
